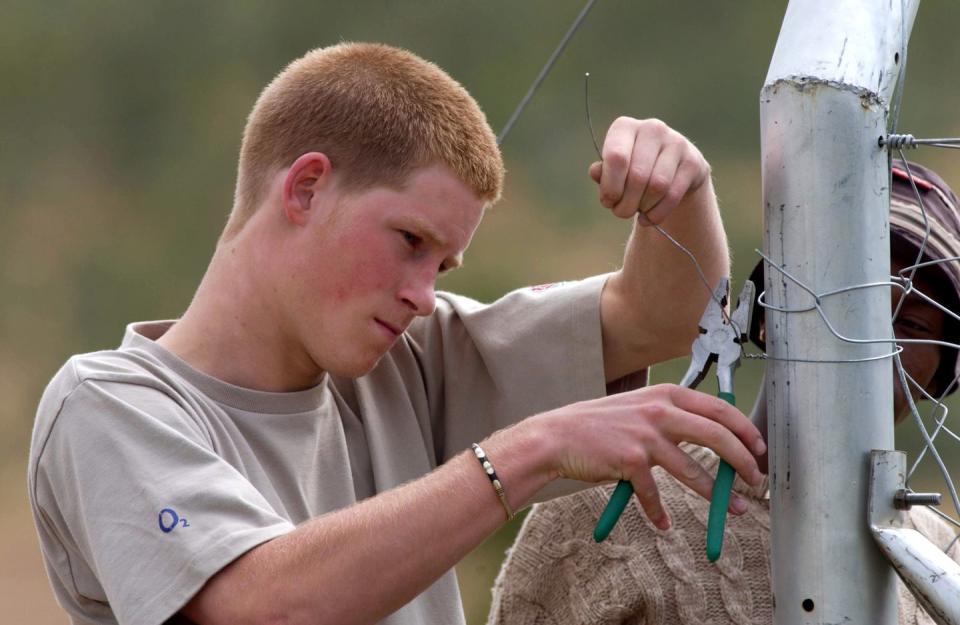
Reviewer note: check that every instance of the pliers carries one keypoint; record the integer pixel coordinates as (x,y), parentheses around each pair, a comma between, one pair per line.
(719,341)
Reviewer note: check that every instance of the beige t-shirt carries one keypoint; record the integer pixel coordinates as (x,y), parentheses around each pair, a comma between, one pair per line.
(147,476)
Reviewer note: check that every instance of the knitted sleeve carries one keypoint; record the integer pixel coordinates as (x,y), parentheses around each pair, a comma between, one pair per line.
(555,573)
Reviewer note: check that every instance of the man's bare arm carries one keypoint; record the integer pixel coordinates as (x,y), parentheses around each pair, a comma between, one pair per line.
(650,307)
(361,563)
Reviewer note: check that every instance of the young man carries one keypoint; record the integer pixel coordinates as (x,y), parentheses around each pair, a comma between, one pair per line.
(556,573)
(296,448)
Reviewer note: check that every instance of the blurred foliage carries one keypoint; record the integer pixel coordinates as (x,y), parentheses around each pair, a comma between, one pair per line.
(120,124)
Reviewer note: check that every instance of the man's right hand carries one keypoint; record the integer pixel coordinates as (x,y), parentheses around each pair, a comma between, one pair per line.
(624,436)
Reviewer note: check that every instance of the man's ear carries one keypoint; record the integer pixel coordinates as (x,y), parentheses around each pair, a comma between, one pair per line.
(309,174)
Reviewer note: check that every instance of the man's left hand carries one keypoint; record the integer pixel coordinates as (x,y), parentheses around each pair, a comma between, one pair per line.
(647,169)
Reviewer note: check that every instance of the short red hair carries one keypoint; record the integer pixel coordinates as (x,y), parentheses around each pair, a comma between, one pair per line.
(377,112)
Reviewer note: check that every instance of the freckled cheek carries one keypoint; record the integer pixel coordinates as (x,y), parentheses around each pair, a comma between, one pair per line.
(372,274)
(361,275)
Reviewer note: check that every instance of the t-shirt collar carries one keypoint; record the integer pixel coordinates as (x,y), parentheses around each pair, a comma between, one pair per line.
(143,336)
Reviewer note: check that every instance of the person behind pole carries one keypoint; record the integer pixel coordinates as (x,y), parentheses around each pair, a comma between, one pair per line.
(556,573)
(321,436)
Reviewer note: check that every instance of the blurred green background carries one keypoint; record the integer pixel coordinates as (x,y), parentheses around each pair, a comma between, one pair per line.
(120,124)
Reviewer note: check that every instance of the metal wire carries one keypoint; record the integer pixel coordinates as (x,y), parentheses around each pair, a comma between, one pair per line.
(906,383)
(928,439)
(818,307)
(938,405)
(904,281)
(897,142)
(545,70)
(529,95)
(658,227)
(586,107)
(924,434)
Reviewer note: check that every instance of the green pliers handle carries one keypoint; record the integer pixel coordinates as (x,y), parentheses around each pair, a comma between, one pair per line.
(618,501)
(719,500)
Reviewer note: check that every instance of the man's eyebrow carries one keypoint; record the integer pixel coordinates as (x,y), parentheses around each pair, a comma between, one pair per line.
(426,230)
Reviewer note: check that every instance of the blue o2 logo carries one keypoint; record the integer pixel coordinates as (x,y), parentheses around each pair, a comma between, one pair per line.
(168,520)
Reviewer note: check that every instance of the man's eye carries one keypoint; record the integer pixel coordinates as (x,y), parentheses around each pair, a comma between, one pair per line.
(912,325)
(411,239)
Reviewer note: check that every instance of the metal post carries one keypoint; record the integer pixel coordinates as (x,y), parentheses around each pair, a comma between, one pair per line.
(823,107)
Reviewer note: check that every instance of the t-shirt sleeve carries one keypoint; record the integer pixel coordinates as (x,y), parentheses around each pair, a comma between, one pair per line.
(486,367)
(133,496)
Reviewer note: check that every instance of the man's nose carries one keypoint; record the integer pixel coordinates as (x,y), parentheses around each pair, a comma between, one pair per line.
(420,294)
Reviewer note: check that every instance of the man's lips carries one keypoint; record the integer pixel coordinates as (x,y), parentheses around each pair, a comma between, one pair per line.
(395,330)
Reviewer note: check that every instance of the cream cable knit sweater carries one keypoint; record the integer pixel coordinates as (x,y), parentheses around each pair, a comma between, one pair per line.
(556,574)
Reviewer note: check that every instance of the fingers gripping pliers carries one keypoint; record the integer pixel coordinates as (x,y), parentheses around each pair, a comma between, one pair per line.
(719,341)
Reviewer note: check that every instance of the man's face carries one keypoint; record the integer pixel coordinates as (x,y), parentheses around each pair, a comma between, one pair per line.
(917,320)
(369,266)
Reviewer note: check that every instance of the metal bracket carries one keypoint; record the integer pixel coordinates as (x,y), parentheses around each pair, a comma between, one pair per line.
(932,577)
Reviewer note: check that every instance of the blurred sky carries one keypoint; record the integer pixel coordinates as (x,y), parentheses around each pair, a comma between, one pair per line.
(120,123)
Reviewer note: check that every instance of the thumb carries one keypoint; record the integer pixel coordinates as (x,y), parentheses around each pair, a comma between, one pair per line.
(596,169)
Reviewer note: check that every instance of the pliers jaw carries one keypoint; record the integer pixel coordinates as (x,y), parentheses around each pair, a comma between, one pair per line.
(744,311)
(700,359)
(719,339)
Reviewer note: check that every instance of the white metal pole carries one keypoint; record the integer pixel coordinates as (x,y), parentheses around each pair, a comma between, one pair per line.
(823,108)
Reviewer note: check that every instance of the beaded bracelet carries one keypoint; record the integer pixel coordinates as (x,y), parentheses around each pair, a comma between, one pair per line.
(497,486)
